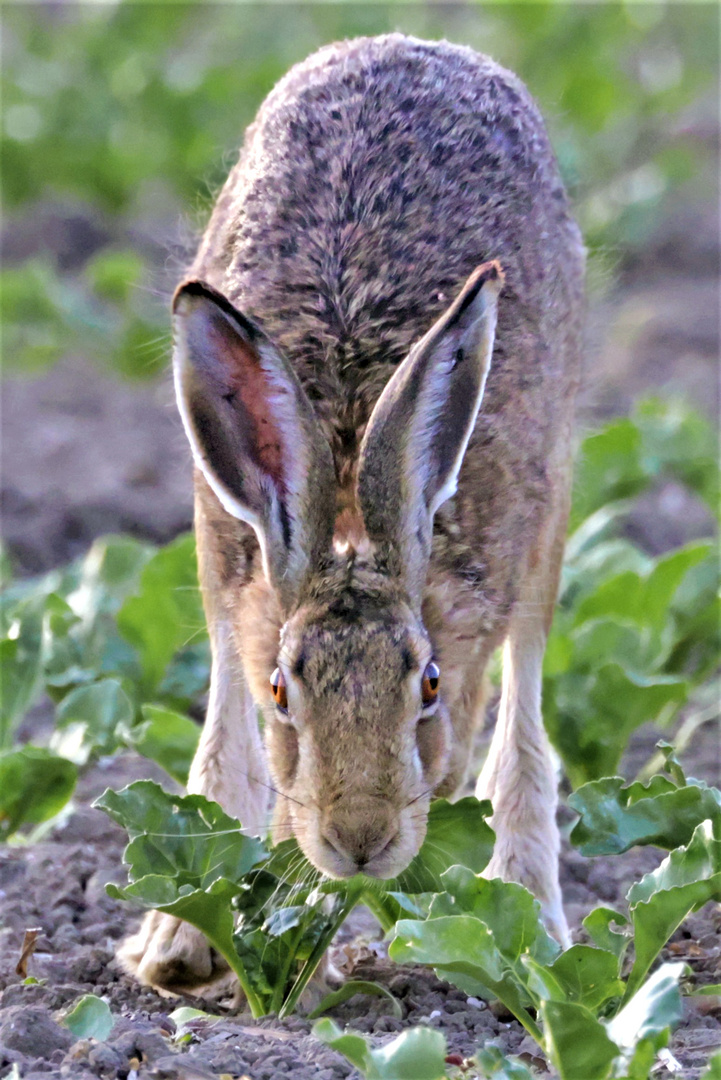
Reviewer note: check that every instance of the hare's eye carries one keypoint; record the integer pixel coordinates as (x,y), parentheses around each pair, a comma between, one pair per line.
(429,685)
(278,688)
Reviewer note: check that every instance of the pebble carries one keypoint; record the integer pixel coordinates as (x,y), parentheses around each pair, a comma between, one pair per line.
(33,1031)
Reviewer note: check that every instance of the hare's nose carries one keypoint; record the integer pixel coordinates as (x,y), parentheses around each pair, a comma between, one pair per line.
(359,842)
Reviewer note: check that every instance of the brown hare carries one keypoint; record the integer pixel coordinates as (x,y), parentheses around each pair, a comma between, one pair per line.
(376,358)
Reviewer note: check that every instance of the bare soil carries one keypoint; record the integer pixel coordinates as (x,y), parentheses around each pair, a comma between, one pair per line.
(85,455)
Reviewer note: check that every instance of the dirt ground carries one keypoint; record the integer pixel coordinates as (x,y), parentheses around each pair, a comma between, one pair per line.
(85,455)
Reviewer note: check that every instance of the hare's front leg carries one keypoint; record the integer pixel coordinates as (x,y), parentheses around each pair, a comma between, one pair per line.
(230,768)
(519,775)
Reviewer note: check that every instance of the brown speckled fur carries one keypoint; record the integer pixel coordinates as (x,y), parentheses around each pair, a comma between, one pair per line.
(378,174)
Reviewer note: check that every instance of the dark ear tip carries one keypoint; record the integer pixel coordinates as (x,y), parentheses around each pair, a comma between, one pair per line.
(198,291)
(488,276)
(192,288)
(487,272)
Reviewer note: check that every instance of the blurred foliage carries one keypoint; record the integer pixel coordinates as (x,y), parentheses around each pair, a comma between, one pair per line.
(127,116)
(633,637)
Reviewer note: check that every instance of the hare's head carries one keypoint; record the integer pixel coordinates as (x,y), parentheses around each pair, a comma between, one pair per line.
(356,726)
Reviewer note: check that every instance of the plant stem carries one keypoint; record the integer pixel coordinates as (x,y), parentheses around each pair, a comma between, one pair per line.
(279,989)
(374,902)
(308,970)
(254,1002)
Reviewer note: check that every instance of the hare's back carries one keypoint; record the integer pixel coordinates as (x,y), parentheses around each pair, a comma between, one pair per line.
(378,174)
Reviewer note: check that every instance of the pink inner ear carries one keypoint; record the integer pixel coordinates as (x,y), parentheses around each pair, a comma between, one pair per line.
(251,392)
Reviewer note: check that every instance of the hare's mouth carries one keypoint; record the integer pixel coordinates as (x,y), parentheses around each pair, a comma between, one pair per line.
(344,858)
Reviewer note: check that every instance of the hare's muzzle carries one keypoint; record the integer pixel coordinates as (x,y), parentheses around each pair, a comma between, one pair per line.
(362,838)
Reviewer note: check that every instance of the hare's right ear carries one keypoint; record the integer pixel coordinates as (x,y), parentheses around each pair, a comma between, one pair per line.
(254,434)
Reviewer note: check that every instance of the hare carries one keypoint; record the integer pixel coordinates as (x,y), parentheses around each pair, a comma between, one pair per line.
(376,359)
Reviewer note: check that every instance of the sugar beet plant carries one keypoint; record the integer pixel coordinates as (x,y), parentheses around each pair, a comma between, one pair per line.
(267,911)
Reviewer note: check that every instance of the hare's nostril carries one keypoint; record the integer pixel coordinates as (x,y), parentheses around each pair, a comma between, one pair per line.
(360,846)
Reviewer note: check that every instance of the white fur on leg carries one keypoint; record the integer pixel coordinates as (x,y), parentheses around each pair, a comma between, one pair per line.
(519,779)
(230,764)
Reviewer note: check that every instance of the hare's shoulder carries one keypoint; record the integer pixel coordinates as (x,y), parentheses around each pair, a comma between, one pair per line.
(377,175)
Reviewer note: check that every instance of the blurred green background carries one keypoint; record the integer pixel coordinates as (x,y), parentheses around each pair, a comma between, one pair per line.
(119,124)
(120,121)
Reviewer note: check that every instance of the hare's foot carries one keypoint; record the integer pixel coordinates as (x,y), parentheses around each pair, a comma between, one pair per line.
(170,954)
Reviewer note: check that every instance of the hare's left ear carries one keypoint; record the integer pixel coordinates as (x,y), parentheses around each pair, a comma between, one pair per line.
(419,429)
(254,434)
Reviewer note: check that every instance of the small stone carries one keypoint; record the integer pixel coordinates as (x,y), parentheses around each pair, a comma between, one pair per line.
(106,1058)
(33,1031)
(145,1045)
(387,1023)
(13,1057)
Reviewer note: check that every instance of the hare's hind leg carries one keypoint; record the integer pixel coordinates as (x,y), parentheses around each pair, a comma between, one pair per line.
(229,767)
(519,775)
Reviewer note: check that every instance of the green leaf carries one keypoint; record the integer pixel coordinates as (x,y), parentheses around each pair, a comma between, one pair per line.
(587,976)
(185,1015)
(671,764)
(167,612)
(187,675)
(461,949)
(416,1054)
(90,1018)
(167,738)
(643,599)
(598,926)
(590,714)
(452,942)
(615,817)
(81,636)
(353,1047)
(91,720)
(576,1042)
(207,908)
(609,467)
(352,987)
(496,1066)
(187,838)
(510,912)
(21,665)
(188,858)
(686,880)
(679,442)
(35,784)
(110,572)
(457,833)
(114,274)
(651,1013)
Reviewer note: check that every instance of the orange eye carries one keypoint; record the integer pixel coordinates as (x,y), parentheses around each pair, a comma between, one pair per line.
(278,688)
(430,683)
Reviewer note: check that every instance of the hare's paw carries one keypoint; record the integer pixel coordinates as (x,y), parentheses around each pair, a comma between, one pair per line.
(170,954)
